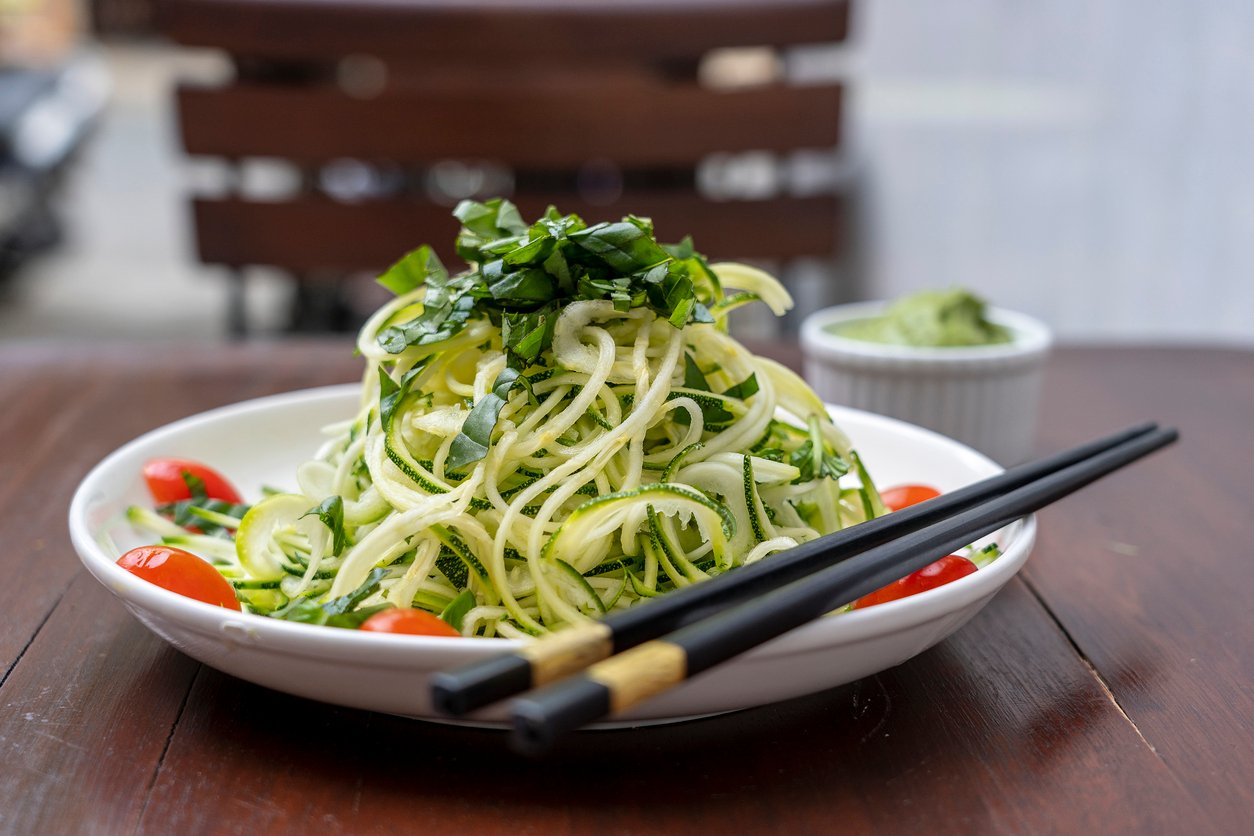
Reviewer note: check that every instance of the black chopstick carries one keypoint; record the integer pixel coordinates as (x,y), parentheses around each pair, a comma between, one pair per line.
(461,691)
(644,671)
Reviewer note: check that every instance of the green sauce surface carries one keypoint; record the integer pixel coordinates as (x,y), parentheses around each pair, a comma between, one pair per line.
(929,319)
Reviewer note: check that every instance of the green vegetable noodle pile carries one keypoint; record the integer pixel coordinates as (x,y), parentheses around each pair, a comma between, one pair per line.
(563,429)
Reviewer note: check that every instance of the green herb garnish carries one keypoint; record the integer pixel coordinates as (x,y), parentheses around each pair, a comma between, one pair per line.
(472,443)
(344,611)
(214,517)
(521,277)
(331,512)
(815,459)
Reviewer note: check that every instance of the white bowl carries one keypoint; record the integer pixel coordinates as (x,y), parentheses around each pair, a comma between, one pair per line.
(262,442)
(984,396)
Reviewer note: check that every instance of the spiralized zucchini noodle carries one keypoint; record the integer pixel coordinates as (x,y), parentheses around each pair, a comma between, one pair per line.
(565,429)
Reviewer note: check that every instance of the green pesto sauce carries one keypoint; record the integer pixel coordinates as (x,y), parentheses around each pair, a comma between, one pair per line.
(927,319)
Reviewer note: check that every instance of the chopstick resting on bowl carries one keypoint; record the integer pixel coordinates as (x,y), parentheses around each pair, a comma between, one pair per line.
(565,652)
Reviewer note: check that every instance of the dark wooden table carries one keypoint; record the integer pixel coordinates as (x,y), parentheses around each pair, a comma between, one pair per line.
(1108,689)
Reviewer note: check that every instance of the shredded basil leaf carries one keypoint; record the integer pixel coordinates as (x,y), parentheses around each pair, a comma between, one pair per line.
(471,444)
(744,389)
(693,378)
(331,512)
(522,276)
(195,485)
(816,460)
(416,268)
(392,393)
(183,513)
(344,611)
(456,611)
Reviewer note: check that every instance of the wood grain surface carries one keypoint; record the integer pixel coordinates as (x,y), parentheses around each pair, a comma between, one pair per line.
(1106,690)
(627,124)
(315,233)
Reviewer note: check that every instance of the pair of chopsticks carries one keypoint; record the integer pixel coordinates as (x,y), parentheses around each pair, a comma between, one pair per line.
(587,672)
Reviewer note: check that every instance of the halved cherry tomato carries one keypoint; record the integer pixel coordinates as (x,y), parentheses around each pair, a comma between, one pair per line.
(929,577)
(166,483)
(409,622)
(182,572)
(903,496)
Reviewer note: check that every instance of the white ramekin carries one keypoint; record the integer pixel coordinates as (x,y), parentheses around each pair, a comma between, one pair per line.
(983,396)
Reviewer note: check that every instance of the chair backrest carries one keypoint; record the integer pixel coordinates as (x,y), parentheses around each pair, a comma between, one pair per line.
(596,106)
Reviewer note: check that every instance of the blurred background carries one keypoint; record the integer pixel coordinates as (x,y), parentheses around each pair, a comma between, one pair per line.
(215,168)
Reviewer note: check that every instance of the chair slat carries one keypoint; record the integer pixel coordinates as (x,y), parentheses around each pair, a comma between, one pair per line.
(637,124)
(452,30)
(312,234)
(539,87)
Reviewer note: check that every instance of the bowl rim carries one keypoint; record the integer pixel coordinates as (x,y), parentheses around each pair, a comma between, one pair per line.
(434,651)
(1030,338)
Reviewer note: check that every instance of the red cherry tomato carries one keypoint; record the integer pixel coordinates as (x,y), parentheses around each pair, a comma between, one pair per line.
(166,483)
(407,621)
(181,572)
(929,577)
(903,496)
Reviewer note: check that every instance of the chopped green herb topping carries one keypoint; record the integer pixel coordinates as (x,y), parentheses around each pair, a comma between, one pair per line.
(521,277)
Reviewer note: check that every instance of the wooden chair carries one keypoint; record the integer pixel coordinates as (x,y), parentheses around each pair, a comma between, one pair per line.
(596,106)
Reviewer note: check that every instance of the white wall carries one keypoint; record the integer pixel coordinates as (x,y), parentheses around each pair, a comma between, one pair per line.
(1088,161)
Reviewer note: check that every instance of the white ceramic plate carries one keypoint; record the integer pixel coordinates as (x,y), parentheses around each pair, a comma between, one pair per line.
(261,442)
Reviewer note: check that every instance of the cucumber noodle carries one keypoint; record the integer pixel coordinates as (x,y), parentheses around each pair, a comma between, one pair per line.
(637,458)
